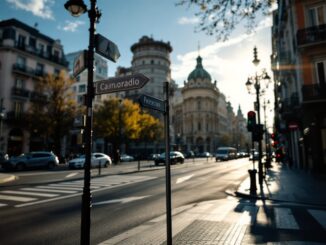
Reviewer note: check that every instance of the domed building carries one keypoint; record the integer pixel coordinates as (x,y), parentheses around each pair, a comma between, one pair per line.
(195,117)
(202,119)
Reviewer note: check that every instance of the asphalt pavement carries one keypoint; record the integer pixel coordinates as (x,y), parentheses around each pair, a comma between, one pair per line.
(290,208)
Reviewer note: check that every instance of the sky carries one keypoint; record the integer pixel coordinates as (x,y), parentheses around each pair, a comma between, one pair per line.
(125,21)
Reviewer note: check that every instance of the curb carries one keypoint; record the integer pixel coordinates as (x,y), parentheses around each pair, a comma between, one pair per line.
(257,197)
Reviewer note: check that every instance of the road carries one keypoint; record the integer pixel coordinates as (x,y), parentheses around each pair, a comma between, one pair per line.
(43,207)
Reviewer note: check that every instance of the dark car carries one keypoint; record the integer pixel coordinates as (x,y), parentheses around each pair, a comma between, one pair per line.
(175,157)
(37,159)
(3,158)
(189,154)
(205,154)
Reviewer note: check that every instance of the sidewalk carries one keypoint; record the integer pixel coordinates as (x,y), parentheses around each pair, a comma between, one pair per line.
(288,185)
(249,221)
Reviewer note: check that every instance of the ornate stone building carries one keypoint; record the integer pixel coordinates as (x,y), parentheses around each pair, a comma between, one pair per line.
(201,117)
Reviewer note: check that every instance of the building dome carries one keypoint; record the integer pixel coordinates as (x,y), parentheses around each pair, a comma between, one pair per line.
(199,71)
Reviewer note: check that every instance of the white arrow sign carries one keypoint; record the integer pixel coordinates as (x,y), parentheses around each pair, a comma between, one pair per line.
(122,200)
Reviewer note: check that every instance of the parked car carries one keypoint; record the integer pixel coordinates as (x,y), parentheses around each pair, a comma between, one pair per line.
(3,158)
(97,159)
(225,153)
(126,158)
(205,154)
(37,159)
(189,154)
(153,156)
(175,157)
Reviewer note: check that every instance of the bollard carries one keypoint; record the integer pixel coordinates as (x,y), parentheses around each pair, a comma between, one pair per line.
(253,187)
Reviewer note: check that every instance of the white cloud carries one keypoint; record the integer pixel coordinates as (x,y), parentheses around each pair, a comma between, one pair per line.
(41,8)
(187,20)
(71,26)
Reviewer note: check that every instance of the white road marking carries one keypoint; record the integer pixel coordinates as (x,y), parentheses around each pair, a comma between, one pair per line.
(110,182)
(71,175)
(3,204)
(17,199)
(319,215)
(54,187)
(121,200)
(182,179)
(284,219)
(47,190)
(27,193)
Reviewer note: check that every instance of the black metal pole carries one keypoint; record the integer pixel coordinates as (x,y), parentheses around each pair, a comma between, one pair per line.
(260,149)
(87,198)
(167,168)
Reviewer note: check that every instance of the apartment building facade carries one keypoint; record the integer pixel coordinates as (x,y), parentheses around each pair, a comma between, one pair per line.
(26,55)
(299,65)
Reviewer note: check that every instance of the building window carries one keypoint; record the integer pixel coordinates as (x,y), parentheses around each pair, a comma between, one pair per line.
(199,126)
(39,69)
(21,41)
(80,99)
(321,71)
(18,108)
(82,88)
(199,105)
(41,49)
(56,72)
(21,61)
(316,15)
(19,83)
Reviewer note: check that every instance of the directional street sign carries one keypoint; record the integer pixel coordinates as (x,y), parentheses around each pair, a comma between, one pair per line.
(80,63)
(152,103)
(106,48)
(116,84)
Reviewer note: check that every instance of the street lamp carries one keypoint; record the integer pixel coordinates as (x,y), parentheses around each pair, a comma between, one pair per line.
(255,81)
(267,144)
(77,8)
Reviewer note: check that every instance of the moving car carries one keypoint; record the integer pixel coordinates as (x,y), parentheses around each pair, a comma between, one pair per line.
(37,159)
(175,157)
(225,153)
(97,159)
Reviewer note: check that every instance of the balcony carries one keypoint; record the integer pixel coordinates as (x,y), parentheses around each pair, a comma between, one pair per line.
(38,97)
(27,71)
(20,92)
(314,93)
(34,51)
(15,118)
(311,36)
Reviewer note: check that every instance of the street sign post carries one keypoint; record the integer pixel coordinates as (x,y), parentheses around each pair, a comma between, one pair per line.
(80,63)
(116,84)
(152,103)
(106,48)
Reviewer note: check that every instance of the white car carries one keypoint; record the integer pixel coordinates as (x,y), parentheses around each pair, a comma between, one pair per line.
(97,159)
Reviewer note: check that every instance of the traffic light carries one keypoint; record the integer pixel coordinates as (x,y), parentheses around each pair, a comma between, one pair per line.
(251,120)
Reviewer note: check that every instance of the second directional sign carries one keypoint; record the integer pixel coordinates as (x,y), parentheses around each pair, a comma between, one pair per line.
(152,103)
(116,84)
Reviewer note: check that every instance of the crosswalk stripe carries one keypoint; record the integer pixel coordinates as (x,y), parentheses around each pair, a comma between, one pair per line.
(18,199)
(27,193)
(61,188)
(48,190)
(319,215)
(3,204)
(284,219)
